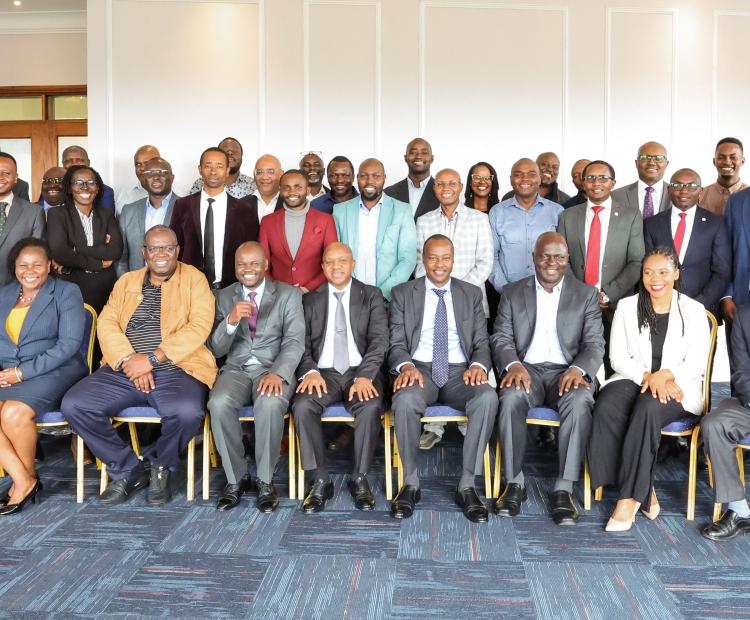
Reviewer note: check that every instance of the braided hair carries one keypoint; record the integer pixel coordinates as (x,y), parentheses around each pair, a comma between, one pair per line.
(646,312)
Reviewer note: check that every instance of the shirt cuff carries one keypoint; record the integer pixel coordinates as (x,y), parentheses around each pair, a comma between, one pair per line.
(511,364)
(232,328)
(401,365)
(480,365)
(308,372)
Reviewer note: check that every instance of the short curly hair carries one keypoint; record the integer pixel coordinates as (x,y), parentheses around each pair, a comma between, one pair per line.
(20,246)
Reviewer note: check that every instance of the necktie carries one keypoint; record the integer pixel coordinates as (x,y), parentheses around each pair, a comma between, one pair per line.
(340,346)
(648,203)
(3,216)
(440,341)
(209,260)
(593,249)
(252,320)
(679,235)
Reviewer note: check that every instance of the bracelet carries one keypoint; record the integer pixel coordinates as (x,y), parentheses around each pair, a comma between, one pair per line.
(19,374)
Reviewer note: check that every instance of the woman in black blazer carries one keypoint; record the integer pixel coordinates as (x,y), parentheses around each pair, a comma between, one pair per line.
(40,341)
(87,259)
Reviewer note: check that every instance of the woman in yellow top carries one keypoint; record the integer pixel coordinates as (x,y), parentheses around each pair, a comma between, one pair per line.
(40,339)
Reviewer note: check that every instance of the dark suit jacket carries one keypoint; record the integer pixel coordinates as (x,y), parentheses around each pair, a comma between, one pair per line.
(407,313)
(400,191)
(628,196)
(24,220)
(737,217)
(241,225)
(623,254)
(740,354)
(369,322)
(707,267)
(579,324)
(21,189)
(304,269)
(108,198)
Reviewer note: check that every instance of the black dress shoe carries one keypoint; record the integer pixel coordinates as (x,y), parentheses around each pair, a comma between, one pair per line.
(159,489)
(547,438)
(564,511)
(729,526)
(343,439)
(232,492)
(474,510)
(402,506)
(509,503)
(123,489)
(267,500)
(361,493)
(319,492)
(33,496)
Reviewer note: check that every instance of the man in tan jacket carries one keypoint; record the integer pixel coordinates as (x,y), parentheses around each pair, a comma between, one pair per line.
(152,333)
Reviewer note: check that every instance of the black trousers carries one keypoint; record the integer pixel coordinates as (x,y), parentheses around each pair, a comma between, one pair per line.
(625,437)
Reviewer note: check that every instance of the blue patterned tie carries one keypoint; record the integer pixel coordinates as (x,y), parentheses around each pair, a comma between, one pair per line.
(440,341)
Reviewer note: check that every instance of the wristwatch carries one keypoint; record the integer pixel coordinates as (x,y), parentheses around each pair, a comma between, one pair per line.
(153,359)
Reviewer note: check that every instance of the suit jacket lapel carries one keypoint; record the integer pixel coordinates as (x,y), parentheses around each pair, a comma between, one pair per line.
(13,215)
(43,299)
(357,317)
(417,297)
(266,303)
(699,225)
(386,213)
(97,225)
(581,233)
(529,298)
(140,219)
(195,212)
(7,302)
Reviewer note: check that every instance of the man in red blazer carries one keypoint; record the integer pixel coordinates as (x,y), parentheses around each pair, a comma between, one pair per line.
(210,225)
(294,237)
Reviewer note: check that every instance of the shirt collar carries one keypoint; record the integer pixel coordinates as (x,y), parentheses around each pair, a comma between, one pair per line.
(689,212)
(456,213)
(220,196)
(642,186)
(273,200)
(377,206)
(555,289)
(422,185)
(538,201)
(8,199)
(332,289)
(166,201)
(429,285)
(607,204)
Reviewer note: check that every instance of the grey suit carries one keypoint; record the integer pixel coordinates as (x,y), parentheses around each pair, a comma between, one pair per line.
(132,220)
(278,345)
(25,219)
(409,403)
(579,332)
(628,197)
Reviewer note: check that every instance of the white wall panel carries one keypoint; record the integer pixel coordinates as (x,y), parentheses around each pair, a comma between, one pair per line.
(731,103)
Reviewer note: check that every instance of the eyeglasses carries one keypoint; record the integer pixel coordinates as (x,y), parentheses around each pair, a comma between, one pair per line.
(482,177)
(691,186)
(50,180)
(158,249)
(80,184)
(453,184)
(156,173)
(560,259)
(259,171)
(657,158)
(591,178)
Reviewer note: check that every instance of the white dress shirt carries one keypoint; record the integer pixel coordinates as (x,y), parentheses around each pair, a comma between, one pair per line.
(423,353)
(545,344)
(9,202)
(326,355)
(656,196)
(604,215)
(265,208)
(129,195)
(252,360)
(689,221)
(155,216)
(416,193)
(219,208)
(367,253)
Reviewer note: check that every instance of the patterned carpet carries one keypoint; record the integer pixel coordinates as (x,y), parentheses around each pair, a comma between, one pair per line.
(186,560)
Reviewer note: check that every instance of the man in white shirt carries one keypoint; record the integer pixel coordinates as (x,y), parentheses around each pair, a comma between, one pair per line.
(268,173)
(649,193)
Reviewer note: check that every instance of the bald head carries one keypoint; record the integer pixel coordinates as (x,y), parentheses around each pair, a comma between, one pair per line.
(448,188)
(418,158)
(267,175)
(337,247)
(370,181)
(576,172)
(525,180)
(550,259)
(338,265)
(250,264)
(549,168)
(52,192)
(651,163)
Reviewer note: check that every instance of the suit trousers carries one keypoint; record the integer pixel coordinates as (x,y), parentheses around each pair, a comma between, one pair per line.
(178,398)
(574,407)
(625,438)
(727,425)
(409,404)
(307,409)
(235,388)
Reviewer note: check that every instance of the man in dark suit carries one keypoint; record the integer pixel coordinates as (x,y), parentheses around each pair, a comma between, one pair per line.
(340,173)
(576,175)
(441,354)
(52,194)
(21,190)
(548,341)
(346,343)
(77,156)
(649,193)
(699,238)
(18,218)
(210,225)
(260,328)
(416,189)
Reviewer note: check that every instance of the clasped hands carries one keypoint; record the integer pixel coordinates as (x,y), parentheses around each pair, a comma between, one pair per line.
(8,377)
(410,374)
(137,368)
(363,388)
(662,385)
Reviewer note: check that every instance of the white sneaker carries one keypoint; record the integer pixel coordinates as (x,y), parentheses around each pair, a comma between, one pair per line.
(428,440)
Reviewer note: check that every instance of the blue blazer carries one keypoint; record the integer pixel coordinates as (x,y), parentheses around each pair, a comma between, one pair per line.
(706,270)
(396,244)
(52,331)
(737,217)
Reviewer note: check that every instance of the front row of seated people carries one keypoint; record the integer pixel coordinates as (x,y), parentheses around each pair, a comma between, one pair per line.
(547,343)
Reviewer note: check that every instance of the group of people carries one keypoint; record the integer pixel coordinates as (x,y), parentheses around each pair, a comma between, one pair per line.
(428,291)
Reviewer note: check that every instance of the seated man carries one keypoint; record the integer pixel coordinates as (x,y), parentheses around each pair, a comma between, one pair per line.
(345,347)
(260,328)
(152,333)
(548,341)
(728,424)
(441,352)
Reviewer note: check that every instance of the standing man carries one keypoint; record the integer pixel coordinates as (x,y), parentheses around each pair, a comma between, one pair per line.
(52,191)
(77,156)
(238,185)
(549,169)
(341,179)
(699,238)
(312,165)
(346,343)
(649,193)
(260,328)
(268,173)
(294,237)
(142,215)
(136,192)
(576,174)
(548,341)
(379,230)
(211,225)
(18,218)
(440,353)
(416,189)
(728,160)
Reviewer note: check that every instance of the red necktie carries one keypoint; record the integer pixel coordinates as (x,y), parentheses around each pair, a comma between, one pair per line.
(591,273)
(679,234)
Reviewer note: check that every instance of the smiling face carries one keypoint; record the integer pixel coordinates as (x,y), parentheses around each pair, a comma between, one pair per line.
(341,180)
(685,196)
(8,176)
(550,259)
(84,187)
(52,190)
(160,251)
(157,177)
(481,181)
(293,190)
(728,160)
(312,164)
(659,277)
(576,173)
(650,168)
(597,187)
(267,175)
(525,179)
(448,188)
(250,264)
(233,149)
(214,170)
(549,168)
(338,264)
(371,179)
(418,157)
(437,258)
(32,268)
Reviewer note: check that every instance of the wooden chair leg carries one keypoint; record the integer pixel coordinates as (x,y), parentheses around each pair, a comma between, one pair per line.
(103,479)
(212,451)
(487,473)
(586,485)
(387,449)
(79,469)
(741,465)
(599,493)
(191,470)
(292,454)
(498,467)
(399,466)
(692,474)
(710,472)
(134,439)
(206,456)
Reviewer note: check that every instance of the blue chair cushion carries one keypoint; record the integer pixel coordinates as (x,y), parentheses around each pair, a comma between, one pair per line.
(50,417)
(247,412)
(138,412)
(439,411)
(686,423)
(337,410)
(745,441)
(543,413)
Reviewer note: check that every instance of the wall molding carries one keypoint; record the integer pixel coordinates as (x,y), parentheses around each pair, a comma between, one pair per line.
(42,22)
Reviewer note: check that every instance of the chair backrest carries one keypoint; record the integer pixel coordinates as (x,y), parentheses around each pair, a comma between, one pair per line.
(713,325)
(89,335)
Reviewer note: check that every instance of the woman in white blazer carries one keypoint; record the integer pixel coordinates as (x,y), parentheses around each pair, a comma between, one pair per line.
(658,348)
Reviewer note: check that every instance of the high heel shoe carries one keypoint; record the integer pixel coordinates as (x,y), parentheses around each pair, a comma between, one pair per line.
(4,499)
(613,525)
(33,496)
(655,508)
